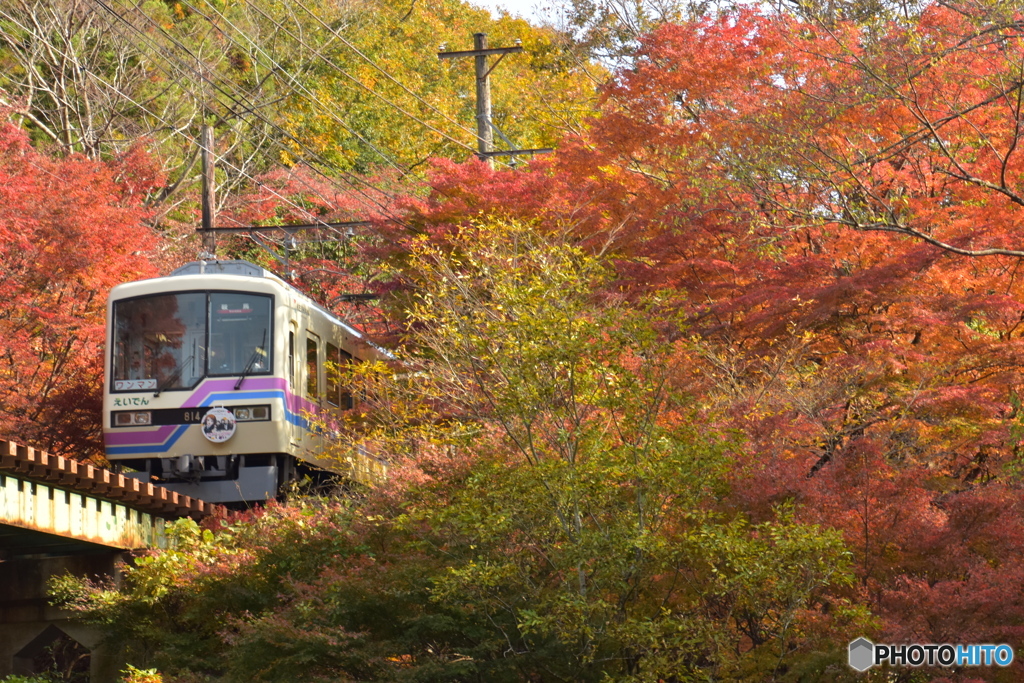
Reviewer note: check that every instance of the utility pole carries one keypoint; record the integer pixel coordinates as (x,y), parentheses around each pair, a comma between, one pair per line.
(480,52)
(209,232)
(485,136)
(207,229)
(209,236)
(484,126)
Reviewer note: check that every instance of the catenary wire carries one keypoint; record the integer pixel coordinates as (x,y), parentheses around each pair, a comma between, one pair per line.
(355,180)
(390,216)
(293,80)
(370,90)
(379,68)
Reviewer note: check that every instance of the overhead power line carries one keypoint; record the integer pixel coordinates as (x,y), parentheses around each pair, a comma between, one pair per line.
(367,88)
(243,105)
(295,81)
(376,66)
(178,131)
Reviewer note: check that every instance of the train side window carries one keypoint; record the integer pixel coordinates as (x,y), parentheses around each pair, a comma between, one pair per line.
(291,360)
(312,366)
(336,361)
(332,369)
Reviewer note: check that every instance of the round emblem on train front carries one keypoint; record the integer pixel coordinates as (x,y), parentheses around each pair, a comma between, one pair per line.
(218,425)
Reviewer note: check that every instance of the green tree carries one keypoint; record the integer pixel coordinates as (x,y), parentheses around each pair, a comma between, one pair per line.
(589,515)
(552,509)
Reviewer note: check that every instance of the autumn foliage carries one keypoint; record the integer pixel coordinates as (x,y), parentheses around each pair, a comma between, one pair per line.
(70,229)
(819,223)
(834,210)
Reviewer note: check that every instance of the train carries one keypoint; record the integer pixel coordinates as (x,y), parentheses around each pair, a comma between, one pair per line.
(218,383)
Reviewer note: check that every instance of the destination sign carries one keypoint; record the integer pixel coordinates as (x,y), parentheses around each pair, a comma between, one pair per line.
(134,384)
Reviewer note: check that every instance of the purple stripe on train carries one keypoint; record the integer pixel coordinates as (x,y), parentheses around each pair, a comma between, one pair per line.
(220,390)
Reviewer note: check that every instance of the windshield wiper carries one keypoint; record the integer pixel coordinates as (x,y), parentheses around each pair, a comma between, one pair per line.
(173,378)
(257,352)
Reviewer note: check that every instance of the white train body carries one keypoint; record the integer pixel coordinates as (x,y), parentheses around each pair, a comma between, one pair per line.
(216,377)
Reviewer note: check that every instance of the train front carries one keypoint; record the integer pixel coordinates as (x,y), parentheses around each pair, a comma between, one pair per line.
(192,400)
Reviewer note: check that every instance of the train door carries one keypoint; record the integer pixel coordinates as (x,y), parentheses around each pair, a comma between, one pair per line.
(336,369)
(295,428)
(314,393)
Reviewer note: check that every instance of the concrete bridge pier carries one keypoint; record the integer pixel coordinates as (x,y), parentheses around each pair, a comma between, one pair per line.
(60,516)
(30,628)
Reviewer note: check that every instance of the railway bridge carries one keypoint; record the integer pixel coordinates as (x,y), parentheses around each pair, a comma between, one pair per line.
(61,516)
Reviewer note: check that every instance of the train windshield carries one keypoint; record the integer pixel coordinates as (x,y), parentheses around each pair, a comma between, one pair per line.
(171,341)
(239,333)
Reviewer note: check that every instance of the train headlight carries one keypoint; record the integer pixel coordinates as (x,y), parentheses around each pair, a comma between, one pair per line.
(130,418)
(251,413)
